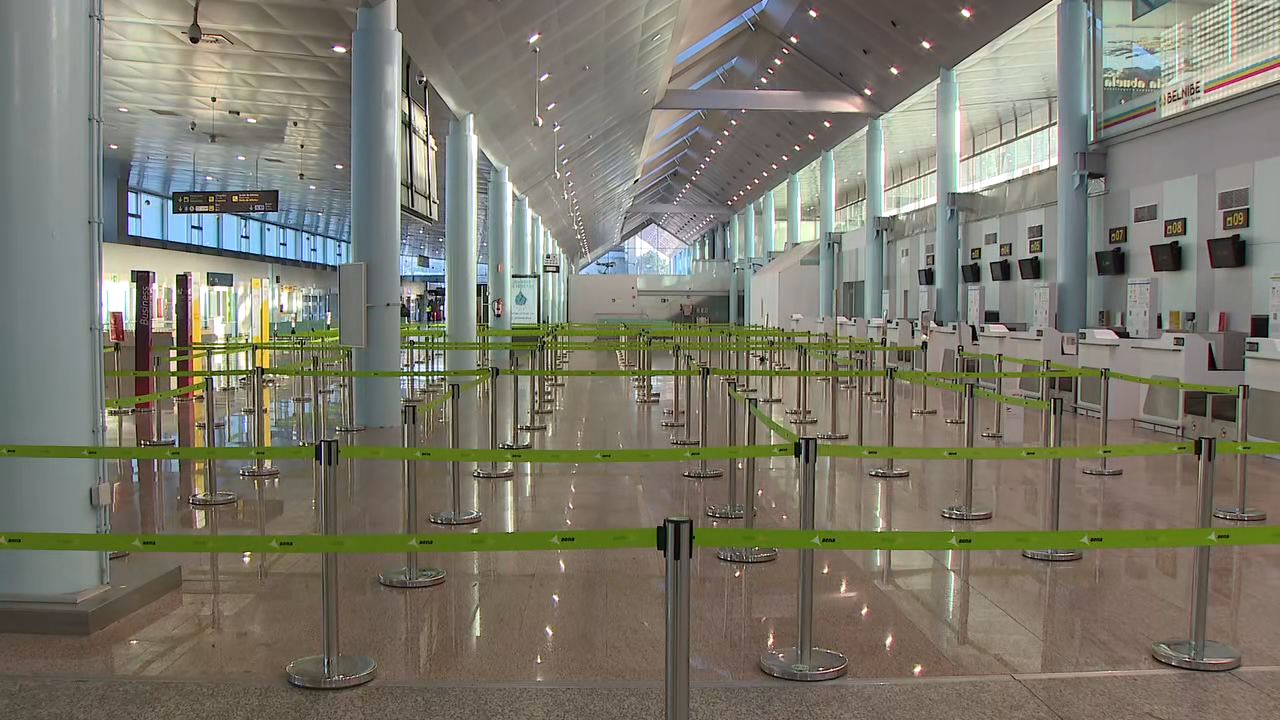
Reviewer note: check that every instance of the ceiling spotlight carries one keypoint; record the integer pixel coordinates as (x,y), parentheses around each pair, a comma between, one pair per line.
(560,146)
(733,122)
(312,187)
(534,38)
(726,132)
(866,91)
(340,49)
(124,109)
(251,121)
(786,158)
(926,44)
(555,128)
(564,161)
(543,77)
(894,69)
(114,146)
(339,166)
(764,79)
(966,13)
(208,177)
(719,142)
(713,150)
(774,165)
(769,70)
(786,51)
(777,61)
(811,136)
(706,159)
(793,39)
(657,37)
(551,105)
(826,123)
(240,157)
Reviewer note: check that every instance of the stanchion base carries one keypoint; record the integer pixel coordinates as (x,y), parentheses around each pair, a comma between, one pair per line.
(647,400)
(964,512)
(419,578)
(1102,471)
(892,473)
(699,474)
(490,473)
(351,670)
(543,411)
(769,400)
(114,412)
(515,445)
(792,411)
(301,400)
(685,442)
(217,425)
(748,390)
(992,435)
(1240,515)
(159,442)
(797,420)
(556,383)
(531,428)
(449,517)
(877,398)
(833,436)
(726,512)
(221,497)
(924,411)
(954,421)
(251,471)
(747,555)
(1053,555)
(1216,657)
(411,401)
(349,429)
(668,411)
(672,423)
(823,664)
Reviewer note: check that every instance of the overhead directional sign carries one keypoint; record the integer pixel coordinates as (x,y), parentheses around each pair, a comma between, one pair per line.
(242,201)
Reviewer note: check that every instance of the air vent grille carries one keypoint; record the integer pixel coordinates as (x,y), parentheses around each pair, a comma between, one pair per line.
(1232,199)
(990,239)
(1146,213)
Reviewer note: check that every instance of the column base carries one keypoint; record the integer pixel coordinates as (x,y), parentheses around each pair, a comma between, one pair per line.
(747,555)
(351,670)
(1216,656)
(1053,555)
(135,584)
(404,578)
(964,512)
(1240,514)
(449,517)
(823,665)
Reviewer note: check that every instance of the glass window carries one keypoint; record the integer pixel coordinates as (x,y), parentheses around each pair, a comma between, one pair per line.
(135,214)
(179,227)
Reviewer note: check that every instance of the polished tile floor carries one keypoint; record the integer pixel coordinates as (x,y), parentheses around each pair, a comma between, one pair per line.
(597,616)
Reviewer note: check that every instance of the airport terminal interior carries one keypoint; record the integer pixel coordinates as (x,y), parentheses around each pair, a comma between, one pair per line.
(674,359)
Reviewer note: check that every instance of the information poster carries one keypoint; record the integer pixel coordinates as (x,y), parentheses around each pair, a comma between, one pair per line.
(182,323)
(524,300)
(1138,319)
(144,289)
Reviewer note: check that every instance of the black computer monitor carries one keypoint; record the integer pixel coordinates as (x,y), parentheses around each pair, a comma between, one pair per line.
(971,273)
(1109,262)
(1166,257)
(1226,252)
(1029,268)
(1000,270)
(925,276)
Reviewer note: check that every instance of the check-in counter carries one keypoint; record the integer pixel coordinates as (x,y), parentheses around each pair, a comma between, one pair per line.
(991,339)
(945,342)
(1099,349)
(859,328)
(1040,345)
(1187,358)
(1262,375)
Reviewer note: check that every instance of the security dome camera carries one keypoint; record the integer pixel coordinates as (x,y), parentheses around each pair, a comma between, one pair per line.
(421,78)
(194,33)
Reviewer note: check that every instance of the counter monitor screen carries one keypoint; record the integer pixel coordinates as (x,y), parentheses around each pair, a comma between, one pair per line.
(1227,252)
(1000,270)
(971,273)
(1166,257)
(925,276)
(1109,262)
(1029,268)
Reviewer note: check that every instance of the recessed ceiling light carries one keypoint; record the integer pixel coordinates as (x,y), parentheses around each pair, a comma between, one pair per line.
(555,128)
(657,37)
(813,12)
(764,79)
(866,91)
(124,109)
(560,146)
(777,61)
(544,77)
(339,166)
(786,158)
(340,49)
(732,121)
(713,151)
(726,132)
(240,157)
(251,121)
(812,136)
(786,51)
(793,39)
(208,177)
(719,141)
(966,13)
(769,70)
(774,165)
(534,38)
(312,187)
(894,69)
(551,105)
(114,146)
(926,44)
(826,123)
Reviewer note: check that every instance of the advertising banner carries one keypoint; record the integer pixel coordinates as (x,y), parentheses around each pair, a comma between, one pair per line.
(524,300)
(182,322)
(144,288)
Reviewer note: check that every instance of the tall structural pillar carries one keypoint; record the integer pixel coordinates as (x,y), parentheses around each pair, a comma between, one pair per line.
(376,89)
(768,223)
(794,210)
(749,252)
(735,281)
(52,356)
(1073,189)
(947,250)
(499,258)
(544,249)
(520,221)
(461,157)
(873,271)
(827,226)
(532,258)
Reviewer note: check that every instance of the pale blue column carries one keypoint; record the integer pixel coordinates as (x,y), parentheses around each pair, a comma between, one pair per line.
(873,272)
(547,247)
(461,159)
(375,206)
(499,236)
(51,360)
(794,210)
(735,281)
(1073,190)
(826,226)
(769,223)
(748,258)
(532,261)
(520,221)
(947,245)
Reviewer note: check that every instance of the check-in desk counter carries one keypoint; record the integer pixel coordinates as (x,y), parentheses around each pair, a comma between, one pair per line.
(944,342)
(1103,349)
(1262,375)
(901,333)
(1039,345)
(859,328)
(1189,358)
(991,341)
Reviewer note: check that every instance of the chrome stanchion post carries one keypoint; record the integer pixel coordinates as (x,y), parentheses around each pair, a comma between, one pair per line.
(675,541)
(833,409)
(533,423)
(959,418)
(332,669)
(888,469)
(732,509)
(769,361)
(515,443)
(412,396)
(1241,512)
(211,495)
(495,470)
(674,410)
(348,397)
(749,554)
(1104,419)
(804,661)
(119,394)
(688,438)
(859,398)
(997,430)
(645,393)
(1198,652)
(1053,495)
(410,576)
(456,515)
(317,401)
(803,415)
(158,439)
(965,510)
(542,395)
(923,354)
(702,471)
(300,409)
(882,395)
(259,467)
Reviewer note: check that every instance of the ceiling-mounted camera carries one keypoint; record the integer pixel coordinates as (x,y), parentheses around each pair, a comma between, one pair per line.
(194,34)
(192,126)
(420,78)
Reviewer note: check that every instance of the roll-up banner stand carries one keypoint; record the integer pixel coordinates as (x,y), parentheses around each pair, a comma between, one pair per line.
(182,325)
(144,289)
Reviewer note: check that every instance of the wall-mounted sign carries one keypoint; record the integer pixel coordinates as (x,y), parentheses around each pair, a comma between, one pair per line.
(1176,227)
(1118,235)
(241,201)
(217,279)
(1036,246)
(928,260)
(524,300)
(1035,231)
(1235,219)
(550,263)
(1006,249)
(975,254)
